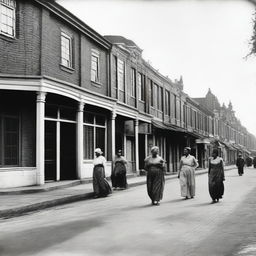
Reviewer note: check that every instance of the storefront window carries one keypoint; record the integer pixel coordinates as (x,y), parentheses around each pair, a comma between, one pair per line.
(9,140)
(94,134)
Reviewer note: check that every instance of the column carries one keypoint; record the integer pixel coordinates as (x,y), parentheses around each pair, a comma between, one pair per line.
(136,134)
(40,112)
(80,139)
(113,134)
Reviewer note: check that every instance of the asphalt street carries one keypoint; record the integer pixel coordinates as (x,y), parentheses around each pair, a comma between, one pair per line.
(125,223)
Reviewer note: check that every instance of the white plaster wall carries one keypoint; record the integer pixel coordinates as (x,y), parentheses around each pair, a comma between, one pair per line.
(17,177)
(87,169)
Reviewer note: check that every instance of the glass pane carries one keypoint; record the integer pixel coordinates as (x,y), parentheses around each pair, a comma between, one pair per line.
(51,111)
(100,120)
(88,118)
(88,142)
(11,141)
(68,113)
(100,139)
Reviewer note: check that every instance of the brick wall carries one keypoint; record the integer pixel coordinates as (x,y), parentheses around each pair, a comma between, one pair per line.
(20,55)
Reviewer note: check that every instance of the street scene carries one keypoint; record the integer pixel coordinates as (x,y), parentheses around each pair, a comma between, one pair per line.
(127,128)
(125,223)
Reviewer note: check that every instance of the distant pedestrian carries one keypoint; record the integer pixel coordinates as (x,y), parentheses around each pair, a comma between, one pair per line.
(118,176)
(240,164)
(186,174)
(155,167)
(100,184)
(216,176)
(254,162)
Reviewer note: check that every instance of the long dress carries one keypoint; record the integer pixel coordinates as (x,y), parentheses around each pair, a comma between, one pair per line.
(155,177)
(118,176)
(101,186)
(216,176)
(187,176)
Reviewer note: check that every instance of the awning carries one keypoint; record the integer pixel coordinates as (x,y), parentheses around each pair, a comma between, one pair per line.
(164,126)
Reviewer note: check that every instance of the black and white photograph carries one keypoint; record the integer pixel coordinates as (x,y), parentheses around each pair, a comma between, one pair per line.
(127,127)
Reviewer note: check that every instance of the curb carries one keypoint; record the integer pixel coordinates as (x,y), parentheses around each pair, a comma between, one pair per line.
(18,211)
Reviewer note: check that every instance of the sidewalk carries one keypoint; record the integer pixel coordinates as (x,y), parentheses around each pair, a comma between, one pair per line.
(17,201)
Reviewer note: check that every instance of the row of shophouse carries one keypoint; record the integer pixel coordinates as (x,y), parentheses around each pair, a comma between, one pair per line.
(66,90)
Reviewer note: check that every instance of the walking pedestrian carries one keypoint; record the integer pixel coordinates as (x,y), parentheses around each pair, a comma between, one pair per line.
(240,164)
(155,168)
(101,186)
(254,162)
(118,176)
(186,174)
(216,176)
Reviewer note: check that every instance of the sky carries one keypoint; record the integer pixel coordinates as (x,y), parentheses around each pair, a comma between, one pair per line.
(204,41)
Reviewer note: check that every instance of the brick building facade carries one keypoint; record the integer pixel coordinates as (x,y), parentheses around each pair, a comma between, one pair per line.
(65,90)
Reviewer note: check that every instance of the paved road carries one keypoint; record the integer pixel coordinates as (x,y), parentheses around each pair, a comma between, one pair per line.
(126,224)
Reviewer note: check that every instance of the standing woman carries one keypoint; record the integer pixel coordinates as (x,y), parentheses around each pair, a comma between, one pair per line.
(186,174)
(100,184)
(118,176)
(154,165)
(216,176)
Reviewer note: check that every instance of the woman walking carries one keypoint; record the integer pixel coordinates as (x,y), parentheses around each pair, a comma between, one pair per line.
(100,184)
(216,176)
(118,176)
(154,165)
(186,174)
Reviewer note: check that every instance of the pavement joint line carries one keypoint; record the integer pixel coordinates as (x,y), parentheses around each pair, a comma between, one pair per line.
(18,211)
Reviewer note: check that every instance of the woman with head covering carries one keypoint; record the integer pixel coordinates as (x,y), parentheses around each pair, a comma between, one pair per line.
(186,174)
(216,176)
(118,176)
(100,184)
(155,167)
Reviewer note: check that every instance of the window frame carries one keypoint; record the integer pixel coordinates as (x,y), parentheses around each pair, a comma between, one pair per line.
(121,63)
(3,4)
(133,82)
(3,132)
(69,37)
(96,55)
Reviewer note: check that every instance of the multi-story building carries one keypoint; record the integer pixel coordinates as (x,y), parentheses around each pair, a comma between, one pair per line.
(65,90)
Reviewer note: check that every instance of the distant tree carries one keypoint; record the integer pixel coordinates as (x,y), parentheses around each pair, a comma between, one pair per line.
(253,37)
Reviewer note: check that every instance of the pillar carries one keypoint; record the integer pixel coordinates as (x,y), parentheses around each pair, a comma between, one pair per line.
(80,139)
(40,134)
(113,134)
(136,134)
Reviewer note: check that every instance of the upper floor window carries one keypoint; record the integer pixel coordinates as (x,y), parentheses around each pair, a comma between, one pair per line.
(7,17)
(133,82)
(141,86)
(167,103)
(95,66)
(9,140)
(121,75)
(66,50)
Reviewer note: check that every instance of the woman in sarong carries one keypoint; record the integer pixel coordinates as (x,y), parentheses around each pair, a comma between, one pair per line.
(100,184)
(118,176)
(216,176)
(155,167)
(186,174)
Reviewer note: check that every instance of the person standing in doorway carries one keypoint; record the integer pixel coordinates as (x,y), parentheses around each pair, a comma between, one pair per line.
(186,174)
(155,168)
(216,176)
(240,164)
(100,184)
(118,176)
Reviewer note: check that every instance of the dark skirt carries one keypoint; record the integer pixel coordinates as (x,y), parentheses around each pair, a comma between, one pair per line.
(216,187)
(155,183)
(240,170)
(118,176)
(101,186)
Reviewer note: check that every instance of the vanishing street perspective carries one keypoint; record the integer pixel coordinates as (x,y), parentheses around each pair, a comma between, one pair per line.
(103,154)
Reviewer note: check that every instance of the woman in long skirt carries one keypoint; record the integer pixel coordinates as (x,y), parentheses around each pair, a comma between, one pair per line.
(186,174)
(100,184)
(216,176)
(118,176)
(154,165)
